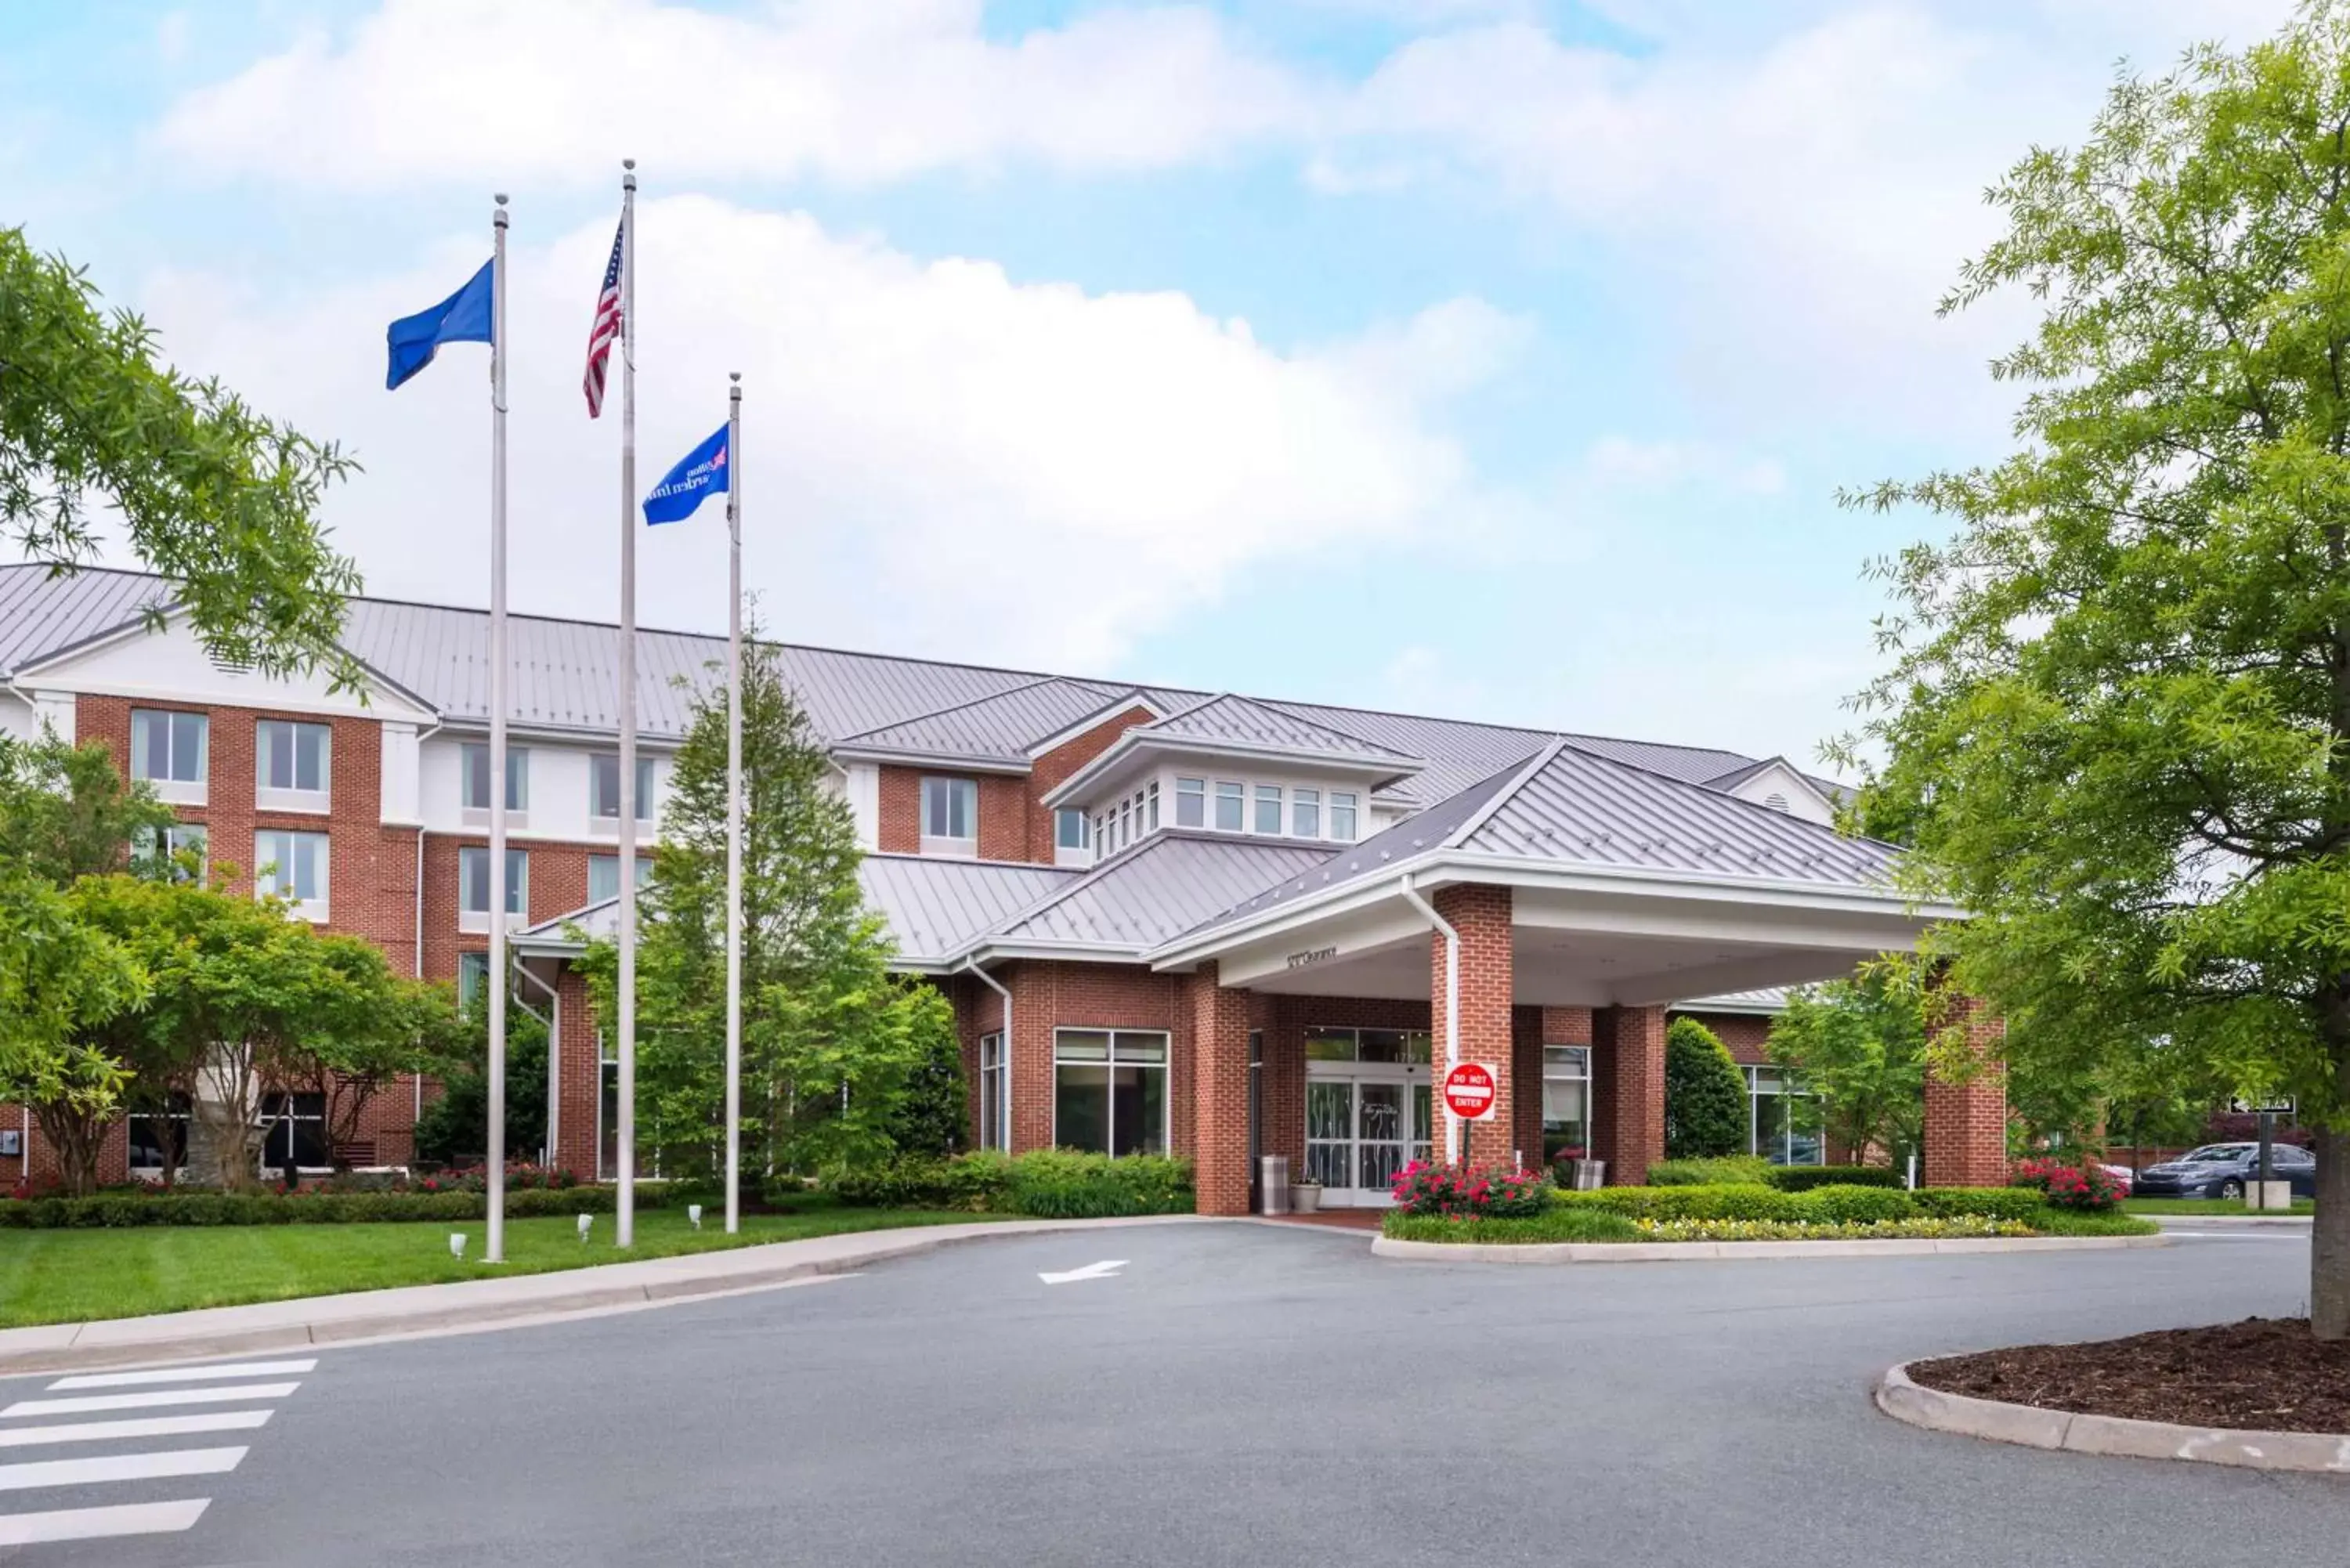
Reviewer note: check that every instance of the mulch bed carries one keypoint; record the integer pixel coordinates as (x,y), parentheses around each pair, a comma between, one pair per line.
(2260,1374)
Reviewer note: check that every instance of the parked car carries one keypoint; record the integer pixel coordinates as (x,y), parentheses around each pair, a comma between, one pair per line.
(2124,1179)
(2220,1170)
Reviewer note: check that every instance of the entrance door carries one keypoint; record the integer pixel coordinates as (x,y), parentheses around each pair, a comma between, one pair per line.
(1364,1122)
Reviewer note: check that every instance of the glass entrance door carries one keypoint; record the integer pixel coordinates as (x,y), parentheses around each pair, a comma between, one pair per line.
(1363,1122)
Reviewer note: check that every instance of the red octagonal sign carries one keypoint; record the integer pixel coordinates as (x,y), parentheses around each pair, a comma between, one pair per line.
(1468,1091)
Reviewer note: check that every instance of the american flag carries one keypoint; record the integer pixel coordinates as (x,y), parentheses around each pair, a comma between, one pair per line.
(606,329)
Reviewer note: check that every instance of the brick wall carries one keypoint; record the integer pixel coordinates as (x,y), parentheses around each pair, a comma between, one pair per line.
(1966,1124)
(1747,1034)
(1055,768)
(579,1076)
(1627,1090)
(1014,821)
(899,828)
(1220,1073)
(1048,995)
(1482,916)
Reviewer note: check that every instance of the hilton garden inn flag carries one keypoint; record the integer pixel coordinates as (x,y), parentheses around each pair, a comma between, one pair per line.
(701,472)
(463,318)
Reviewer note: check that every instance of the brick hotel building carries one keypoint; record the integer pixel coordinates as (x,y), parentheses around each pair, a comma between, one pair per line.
(1201,922)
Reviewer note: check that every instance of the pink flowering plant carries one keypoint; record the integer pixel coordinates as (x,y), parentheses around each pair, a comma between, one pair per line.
(2087,1188)
(1466,1192)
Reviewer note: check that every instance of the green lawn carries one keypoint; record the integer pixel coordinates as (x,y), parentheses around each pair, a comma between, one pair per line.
(73,1276)
(2205,1208)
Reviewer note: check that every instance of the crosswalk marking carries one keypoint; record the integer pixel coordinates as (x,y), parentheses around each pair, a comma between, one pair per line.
(148,1401)
(100,1468)
(97,1523)
(185,1374)
(147,1426)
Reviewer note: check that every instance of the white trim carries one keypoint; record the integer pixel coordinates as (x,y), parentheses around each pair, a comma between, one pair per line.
(953,761)
(1141,738)
(1166,1066)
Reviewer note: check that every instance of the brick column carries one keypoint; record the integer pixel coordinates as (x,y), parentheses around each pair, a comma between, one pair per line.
(1627,1090)
(1035,1009)
(1966,1123)
(579,1078)
(1219,1075)
(1526,1078)
(1482,916)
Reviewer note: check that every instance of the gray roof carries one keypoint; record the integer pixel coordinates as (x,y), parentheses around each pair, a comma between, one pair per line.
(1768,999)
(1229,719)
(935,907)
(1001,727)
(40,615)
(1570,806)
(1160,888)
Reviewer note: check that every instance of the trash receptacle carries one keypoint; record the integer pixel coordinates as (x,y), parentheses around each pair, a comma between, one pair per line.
(1273,1184)
(1590,1175)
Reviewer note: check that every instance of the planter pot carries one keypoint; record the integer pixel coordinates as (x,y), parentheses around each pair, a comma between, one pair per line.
(1305,1198)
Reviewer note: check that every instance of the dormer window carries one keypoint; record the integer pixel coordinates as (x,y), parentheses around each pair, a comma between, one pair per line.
(1230,805)
(1304,812)
(1342,816)
(1268,808)
(1191,802)
(950,817)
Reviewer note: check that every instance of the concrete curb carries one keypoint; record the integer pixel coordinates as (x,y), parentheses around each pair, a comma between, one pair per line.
(487,1304)
(2233,1222)
(1708,1251)
(2077,1432)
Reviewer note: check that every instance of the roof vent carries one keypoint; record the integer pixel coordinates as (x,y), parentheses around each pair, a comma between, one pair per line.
(1775,801)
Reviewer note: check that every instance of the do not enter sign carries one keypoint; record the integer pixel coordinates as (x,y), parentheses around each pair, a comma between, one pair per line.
(1468,1091)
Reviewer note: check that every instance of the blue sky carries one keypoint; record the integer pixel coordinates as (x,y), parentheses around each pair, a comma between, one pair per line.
(1487,356)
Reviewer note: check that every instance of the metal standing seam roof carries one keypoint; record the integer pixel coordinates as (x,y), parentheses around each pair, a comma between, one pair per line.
(41,614)
(1158,889)
(1768,999)
(1231,719)
(936,907)
(999,727)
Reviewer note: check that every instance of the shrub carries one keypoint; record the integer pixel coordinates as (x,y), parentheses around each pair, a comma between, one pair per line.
(124,1211)
(2034,1172)
(1729,1200)
(977,1182)
(1848,1205)
(1061,1184)
(2086,1189)
(1981,1202)
(1744,1168)
(1802,1177)
(1706,1107)
(1552,1225)
(1826,1231)
(1463,1192)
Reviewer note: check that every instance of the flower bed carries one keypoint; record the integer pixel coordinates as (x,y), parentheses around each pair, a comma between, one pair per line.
(1745,1212)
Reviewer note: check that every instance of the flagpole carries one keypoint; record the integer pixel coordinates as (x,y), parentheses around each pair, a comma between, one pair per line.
(734,801)
(625,1206)
(496,1251)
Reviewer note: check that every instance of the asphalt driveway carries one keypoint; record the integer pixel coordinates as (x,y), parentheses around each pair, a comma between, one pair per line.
(1230,1394)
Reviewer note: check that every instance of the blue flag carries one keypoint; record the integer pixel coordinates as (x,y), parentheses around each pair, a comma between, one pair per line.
(700,472)
(464,318)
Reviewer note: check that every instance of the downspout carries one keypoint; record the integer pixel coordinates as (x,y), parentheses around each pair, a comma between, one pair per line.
(1003,1111)
(1451,1002)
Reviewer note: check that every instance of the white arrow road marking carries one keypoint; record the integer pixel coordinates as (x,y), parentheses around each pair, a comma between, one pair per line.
(90,1402)
(119,1468)
(185,1374)
(94,1523)
(1090,1271)
(152,1427)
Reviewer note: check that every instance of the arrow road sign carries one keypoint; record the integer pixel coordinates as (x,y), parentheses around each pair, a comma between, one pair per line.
(1090,1271)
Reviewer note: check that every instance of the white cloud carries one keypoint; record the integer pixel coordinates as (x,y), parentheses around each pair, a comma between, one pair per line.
(854,90)
(1622,462)
(935,458)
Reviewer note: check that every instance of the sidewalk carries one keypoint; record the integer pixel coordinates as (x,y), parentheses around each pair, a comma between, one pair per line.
(490,1302)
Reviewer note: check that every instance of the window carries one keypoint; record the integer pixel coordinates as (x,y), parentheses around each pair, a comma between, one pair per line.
(604,875)
(293,867)
(1306,812)
(473,883)
(1191,802)
(1110,1091)
(1229,802)
(994,1093)
(170,851)
(1069,830)
(157,1132)
(1125,823)
(296,1139)
(473,978)
(950,810)
(172,752)
(1268,808)
(1342,816)
(1405,1046)
(604,786)
(473,771)
(1567,1101)
(1786,1118)
(1152,797)
(292,763)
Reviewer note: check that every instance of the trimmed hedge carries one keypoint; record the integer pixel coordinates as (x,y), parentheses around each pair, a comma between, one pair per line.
(1804,1178)
(1751,1169)
(1045,1184)
(124,1211)
(1833,1204)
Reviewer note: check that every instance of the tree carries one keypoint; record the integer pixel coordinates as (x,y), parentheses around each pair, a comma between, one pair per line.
(1705,1095)
(1860,1046)
(933,1117)
(381,1029)
(455,1128)
(65,811)
(2116,722)
(830,1036)
(60,979)
(212,496)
